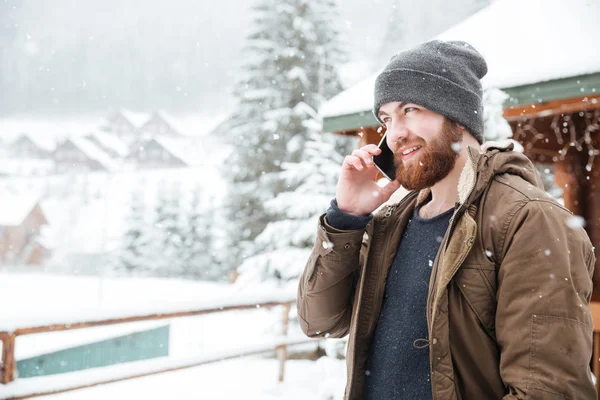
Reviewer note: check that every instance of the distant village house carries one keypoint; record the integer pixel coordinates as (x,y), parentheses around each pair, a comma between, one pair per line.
(21,222)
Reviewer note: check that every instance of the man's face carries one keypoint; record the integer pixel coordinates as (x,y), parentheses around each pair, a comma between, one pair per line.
(423,142)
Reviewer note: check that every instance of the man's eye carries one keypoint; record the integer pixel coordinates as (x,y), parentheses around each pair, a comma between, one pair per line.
(408,109)
(385,120)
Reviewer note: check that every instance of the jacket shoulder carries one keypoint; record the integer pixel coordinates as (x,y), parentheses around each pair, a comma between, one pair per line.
(507,197)
(507,193)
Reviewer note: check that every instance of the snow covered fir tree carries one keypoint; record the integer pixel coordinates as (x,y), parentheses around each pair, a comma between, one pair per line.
(172,238)
(131,259)
(197,258)
(284,245)
(286,76)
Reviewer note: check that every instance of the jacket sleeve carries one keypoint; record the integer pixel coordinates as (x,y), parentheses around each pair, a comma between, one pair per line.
(326,288)
(543,319)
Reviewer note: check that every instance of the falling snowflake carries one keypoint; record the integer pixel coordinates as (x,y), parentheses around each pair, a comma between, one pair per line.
(327,245)
(575,222)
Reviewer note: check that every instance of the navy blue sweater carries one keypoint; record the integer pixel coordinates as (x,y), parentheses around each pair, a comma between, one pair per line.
(395,368)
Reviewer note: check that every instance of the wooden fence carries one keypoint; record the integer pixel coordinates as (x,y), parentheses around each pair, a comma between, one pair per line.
(9,339)
(9,363)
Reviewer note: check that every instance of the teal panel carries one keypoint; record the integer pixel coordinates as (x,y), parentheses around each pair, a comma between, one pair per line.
(350,122)
(133,347)
(566,88)
(536,93)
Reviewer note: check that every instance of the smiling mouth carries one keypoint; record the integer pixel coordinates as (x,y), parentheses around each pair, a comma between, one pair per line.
(410,152)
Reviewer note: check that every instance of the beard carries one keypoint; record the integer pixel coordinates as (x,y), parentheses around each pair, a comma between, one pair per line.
(435,161)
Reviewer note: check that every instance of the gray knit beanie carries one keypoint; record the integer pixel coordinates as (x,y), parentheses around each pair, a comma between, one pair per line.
(440,76)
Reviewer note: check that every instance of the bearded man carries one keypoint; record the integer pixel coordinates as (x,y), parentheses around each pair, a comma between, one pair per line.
(473,286)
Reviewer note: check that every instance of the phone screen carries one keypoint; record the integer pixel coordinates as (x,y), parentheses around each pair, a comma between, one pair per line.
(384,161)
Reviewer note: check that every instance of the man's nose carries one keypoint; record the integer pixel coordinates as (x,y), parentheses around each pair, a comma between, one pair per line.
(397,132)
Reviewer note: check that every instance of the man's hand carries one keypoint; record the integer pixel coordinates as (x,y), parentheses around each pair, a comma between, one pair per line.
(357,192)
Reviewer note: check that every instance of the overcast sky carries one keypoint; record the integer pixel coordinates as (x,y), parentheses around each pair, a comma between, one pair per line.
(82,56)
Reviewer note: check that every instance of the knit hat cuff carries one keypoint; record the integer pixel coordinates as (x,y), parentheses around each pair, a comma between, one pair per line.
(412,86)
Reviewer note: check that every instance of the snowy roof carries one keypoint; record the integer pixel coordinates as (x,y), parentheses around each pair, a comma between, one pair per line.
(111,142)
(190,125)
(518,52)
(44,142)
(168,119)
(508,33)
(198,125)
(14,208)
(137,119)
(176,147)
(92,151)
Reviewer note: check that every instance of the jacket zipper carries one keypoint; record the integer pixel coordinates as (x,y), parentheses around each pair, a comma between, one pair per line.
(381,231)
(432,282)
(443,246)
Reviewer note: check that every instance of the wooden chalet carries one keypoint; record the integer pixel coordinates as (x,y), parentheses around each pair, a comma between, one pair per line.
(78,154)
(109,143)
(21,222)
(160,124)
(156,152)
(30,147)
(125,123)
(554,93)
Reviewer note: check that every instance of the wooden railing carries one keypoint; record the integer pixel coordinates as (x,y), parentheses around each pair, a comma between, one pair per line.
(8,339)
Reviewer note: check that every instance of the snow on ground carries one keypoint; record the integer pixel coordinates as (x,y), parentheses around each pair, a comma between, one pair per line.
(38,296)
(252,378)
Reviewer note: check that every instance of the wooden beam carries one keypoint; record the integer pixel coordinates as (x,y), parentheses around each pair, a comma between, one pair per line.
(568,178)
(370,135)
(595,310)
(282,350)
(89,324)
(551,108)
(8,358)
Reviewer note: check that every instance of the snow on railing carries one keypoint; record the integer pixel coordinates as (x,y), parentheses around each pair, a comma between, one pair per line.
(12,389)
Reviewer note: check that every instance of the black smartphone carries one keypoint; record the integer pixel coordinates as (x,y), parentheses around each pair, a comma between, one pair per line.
(384,161)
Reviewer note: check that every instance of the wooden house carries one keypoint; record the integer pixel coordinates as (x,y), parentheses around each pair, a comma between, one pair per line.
(156,152)
(21,222)
(125,123)
(160,124)
(78,154)
(110,143)
(552,78)
(30,147)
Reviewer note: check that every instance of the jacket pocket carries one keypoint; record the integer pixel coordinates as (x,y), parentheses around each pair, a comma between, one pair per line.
(478,286)
(557,362)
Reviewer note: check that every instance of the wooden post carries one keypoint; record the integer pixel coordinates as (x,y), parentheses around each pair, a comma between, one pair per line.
(8,358)
(371,135)
(568,178)
(592,217)
(596,359)
(282,350)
